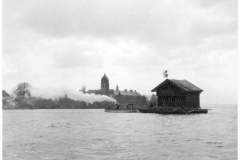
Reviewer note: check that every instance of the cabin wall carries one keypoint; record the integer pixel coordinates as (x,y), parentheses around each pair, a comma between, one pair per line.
(171,101)
(170,95)
(192,100)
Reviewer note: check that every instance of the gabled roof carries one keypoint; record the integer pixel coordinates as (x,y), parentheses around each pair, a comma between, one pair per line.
(181,84)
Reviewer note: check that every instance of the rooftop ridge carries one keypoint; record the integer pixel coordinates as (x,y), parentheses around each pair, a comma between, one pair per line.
(182,84)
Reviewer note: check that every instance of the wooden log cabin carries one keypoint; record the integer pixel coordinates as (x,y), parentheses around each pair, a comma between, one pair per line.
(177,93)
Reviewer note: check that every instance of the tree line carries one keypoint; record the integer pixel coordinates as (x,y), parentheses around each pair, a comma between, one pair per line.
(22,99)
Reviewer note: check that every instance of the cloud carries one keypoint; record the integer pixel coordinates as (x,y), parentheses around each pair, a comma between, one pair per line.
(72,58)
(67,44)
(152,21)
(162,24)
(212,3)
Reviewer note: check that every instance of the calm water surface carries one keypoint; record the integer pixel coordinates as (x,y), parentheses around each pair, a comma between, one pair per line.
(94,134)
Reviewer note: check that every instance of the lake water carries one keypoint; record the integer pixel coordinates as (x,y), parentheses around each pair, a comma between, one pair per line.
(93,134)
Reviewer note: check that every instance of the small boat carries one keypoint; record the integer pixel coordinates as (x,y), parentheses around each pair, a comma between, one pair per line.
(129,108)
(121,110)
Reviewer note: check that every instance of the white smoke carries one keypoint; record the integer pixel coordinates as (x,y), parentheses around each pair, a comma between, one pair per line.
(54,93)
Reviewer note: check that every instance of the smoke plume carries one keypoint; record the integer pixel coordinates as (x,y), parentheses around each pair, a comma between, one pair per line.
(73,94)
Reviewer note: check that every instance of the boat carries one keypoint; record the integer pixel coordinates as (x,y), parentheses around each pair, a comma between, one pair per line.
(129,108)
(121,110)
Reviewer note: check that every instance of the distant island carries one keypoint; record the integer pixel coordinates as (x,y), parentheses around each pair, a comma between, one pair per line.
(22,98)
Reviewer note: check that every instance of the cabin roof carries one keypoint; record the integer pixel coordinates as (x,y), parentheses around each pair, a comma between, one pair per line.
(182,84)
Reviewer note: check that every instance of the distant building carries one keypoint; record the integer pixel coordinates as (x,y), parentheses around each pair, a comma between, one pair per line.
(181,93)
(122,97)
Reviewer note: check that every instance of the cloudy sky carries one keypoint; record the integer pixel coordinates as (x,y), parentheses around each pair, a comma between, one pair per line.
(71,43)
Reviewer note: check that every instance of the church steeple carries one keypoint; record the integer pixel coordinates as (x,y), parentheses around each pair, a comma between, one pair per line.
(105,83)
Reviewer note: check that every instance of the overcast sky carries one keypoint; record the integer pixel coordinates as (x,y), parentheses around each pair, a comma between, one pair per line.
(71,43)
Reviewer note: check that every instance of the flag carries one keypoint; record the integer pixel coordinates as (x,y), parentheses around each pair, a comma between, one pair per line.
(165,74)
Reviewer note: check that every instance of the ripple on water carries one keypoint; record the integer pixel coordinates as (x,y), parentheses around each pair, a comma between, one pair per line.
(94,134)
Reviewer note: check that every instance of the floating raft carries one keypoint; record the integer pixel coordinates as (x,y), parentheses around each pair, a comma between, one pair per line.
(121,110)
(172,110)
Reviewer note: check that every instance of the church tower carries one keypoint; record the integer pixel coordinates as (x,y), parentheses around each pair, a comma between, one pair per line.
(105,84)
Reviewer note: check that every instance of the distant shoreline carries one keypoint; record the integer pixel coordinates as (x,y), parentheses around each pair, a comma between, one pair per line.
(45,108)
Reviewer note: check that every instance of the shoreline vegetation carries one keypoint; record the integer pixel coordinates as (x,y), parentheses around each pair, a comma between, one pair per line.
(60,103)
(21,98)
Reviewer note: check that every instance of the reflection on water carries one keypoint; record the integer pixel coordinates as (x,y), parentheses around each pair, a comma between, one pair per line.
(94,134)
